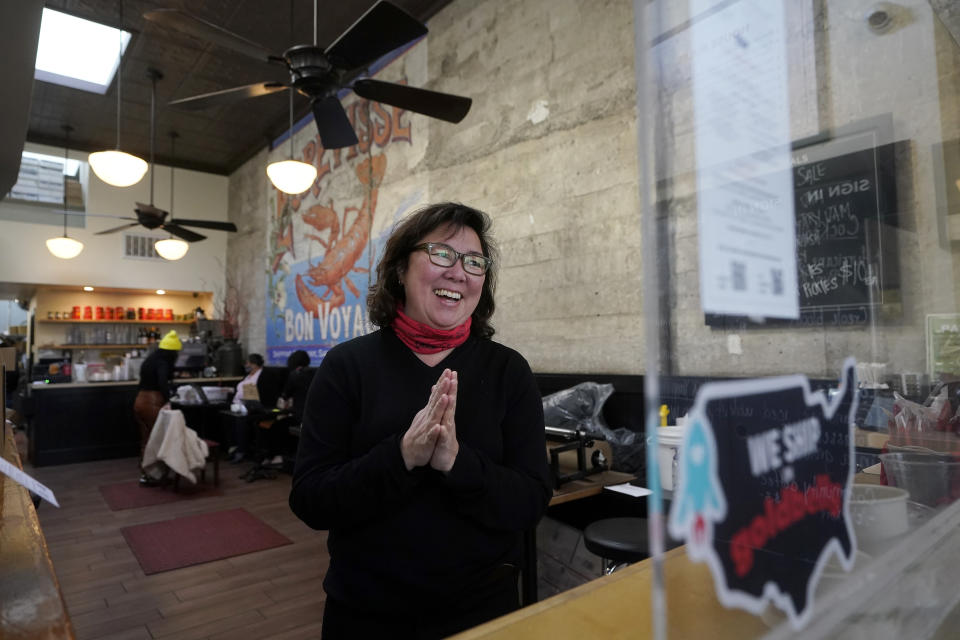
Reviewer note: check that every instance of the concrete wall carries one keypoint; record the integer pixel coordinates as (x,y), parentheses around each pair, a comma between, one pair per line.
(246,262)
(549,150)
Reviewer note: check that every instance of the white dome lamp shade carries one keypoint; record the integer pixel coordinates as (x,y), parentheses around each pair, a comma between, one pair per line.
(171,248)
(61,246)
(291,176)
(64,248)
(116,167)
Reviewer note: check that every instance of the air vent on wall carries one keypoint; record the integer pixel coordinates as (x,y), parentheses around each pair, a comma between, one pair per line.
(140,246)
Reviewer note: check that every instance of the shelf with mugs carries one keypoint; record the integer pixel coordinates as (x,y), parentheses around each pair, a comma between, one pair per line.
(124,321)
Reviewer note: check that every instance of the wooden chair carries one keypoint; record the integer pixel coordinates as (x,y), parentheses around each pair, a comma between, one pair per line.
(213,455)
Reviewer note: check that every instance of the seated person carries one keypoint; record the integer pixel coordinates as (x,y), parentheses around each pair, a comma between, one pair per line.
(290,403)
(245,395)
(252,367)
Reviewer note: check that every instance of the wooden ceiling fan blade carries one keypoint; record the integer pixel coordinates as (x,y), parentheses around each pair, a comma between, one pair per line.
(333,124)
(91,214)
(227,96)
(183,233)
(380,30)
(199,28)
(115,229)
(444,106)
(206,224)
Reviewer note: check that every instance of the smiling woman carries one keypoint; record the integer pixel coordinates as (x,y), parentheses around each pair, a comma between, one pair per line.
(421,441)
(407,248)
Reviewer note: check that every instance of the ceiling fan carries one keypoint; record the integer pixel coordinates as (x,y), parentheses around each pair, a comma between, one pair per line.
(153,217)
(320,74)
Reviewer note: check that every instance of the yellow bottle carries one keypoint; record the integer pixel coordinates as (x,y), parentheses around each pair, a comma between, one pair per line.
(664,412)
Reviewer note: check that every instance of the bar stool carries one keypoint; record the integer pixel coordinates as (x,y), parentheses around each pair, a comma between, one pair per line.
(620,541)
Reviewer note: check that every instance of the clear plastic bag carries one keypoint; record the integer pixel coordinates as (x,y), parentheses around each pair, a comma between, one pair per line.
(580,407)
(913,419)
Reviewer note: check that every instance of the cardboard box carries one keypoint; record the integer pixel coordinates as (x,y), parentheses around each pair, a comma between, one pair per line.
(8,356)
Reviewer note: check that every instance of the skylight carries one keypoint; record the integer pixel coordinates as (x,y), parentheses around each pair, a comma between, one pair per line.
(41,179)
(77,53)
(72,169)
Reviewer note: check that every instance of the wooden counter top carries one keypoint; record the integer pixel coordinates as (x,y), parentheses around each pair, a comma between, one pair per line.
(31,605)
(617,607)
(39,386)
(869,439)
(123,383)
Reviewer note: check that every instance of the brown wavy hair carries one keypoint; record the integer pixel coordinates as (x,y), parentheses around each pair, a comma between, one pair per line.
(387,292)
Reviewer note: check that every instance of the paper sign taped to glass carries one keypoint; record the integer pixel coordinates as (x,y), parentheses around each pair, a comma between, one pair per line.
(763,488)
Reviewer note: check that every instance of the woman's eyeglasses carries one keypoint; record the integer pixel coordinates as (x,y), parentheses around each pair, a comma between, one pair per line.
(443,255)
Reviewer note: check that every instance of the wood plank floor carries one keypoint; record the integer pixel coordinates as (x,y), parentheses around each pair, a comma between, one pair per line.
(274,594)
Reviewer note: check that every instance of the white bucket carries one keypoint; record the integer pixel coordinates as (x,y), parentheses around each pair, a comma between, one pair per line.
(669,440)
(878,511)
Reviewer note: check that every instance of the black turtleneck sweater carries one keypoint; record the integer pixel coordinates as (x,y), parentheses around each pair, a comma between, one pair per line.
(414,541)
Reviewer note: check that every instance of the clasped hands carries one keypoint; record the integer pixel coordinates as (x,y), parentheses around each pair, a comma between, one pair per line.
(432,436)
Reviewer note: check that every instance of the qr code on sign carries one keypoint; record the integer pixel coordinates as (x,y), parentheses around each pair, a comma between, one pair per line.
(776,275)
(739,276)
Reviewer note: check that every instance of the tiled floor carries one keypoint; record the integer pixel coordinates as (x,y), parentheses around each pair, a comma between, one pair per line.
(273,594)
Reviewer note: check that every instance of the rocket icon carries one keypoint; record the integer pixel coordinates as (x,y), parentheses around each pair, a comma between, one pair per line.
(699,500)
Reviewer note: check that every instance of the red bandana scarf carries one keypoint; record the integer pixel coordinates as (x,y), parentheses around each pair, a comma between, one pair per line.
(422,338)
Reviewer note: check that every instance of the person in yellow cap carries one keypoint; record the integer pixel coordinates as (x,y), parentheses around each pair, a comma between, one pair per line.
(154,391)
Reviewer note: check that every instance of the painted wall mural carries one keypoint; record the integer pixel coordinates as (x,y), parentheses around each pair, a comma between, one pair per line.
(323,244)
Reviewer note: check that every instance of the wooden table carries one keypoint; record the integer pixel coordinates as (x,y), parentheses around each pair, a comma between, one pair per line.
(31,605)
(574,490)
(618,607)
(589,486)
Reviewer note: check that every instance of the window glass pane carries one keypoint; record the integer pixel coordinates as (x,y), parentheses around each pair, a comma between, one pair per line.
(801,309)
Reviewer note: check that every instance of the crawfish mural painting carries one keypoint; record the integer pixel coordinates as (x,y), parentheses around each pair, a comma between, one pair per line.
(343,251)
(321,254)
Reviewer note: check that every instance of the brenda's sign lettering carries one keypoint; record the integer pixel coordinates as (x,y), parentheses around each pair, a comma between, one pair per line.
(779,515)
(763,488)
(769,449)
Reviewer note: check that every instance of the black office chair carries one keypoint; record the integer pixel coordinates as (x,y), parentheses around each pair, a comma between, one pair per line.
(621,541)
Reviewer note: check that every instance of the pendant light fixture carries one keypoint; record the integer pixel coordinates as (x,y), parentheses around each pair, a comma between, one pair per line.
(61,246)
(116,167)
(170,248)
(292,176)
